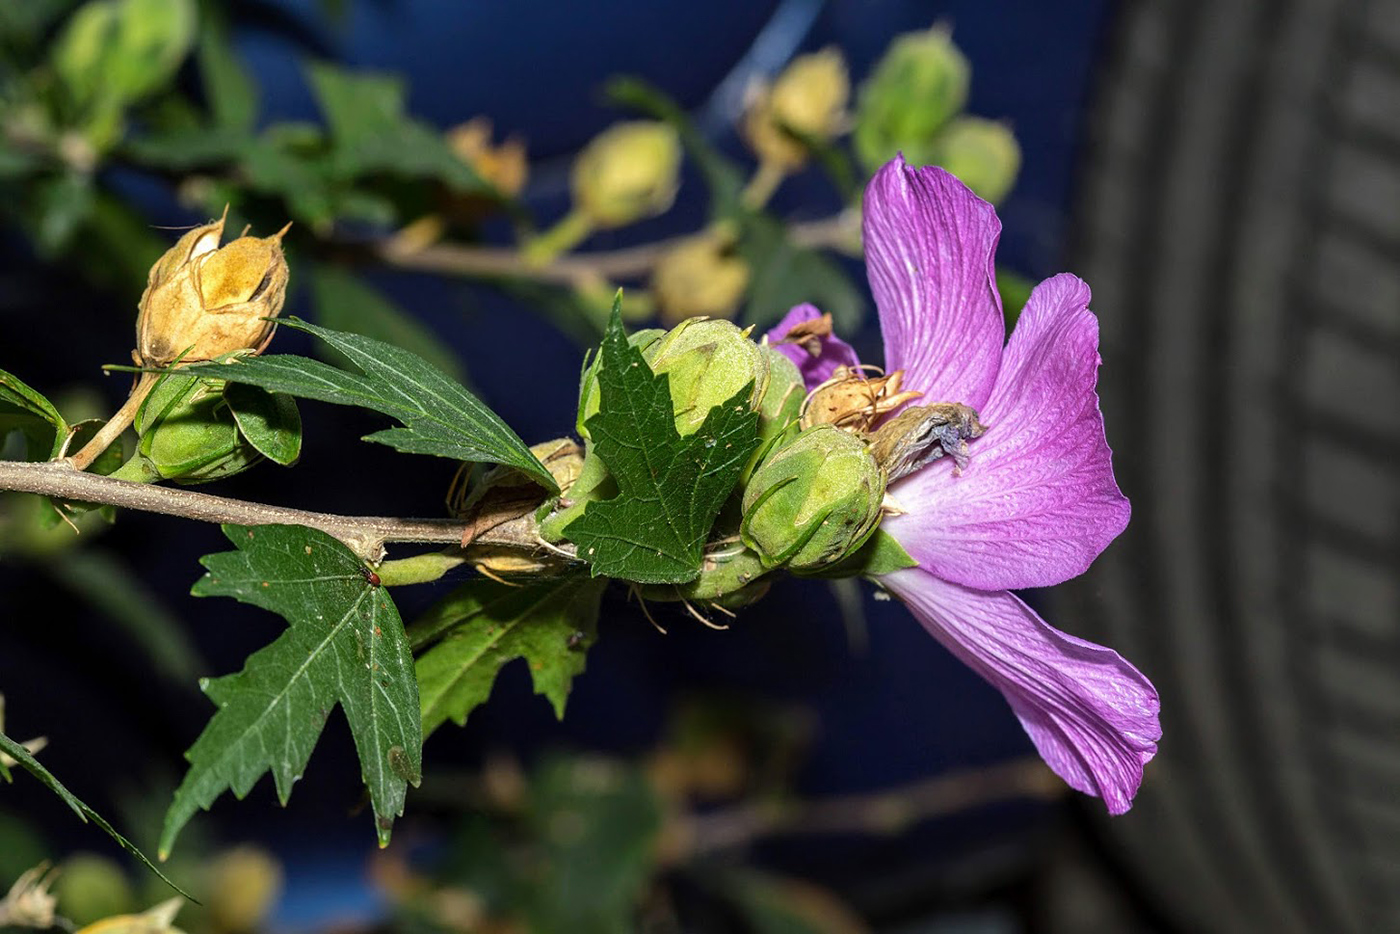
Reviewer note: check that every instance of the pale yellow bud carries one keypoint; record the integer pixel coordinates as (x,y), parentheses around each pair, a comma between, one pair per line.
(807,100)
(203,301)
(701,276)
(627,173)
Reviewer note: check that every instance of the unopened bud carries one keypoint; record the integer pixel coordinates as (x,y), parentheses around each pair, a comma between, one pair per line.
(243,885)
(92,887)
(779,410)
(707,361)
(917,87)
(188,432)
(627,173)
(983,154)
(813,501)
(701,276)
(807,100)
(204,301)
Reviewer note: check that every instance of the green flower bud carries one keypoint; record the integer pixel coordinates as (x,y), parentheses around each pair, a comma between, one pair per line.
(813,501)
(982,153)
(779,410)
(91,887)
(917,87)
(627,173)
(188,433)
(708,360)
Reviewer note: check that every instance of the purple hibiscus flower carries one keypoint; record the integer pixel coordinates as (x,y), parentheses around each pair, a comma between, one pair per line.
(1035,502)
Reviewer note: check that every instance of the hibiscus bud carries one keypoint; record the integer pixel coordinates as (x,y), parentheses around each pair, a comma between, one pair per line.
(917,87)
(701,276)
(779,410)
(188,433)
(203,301)
(242,886)
(92,887)
(708,361)
(627,173)
(813,501)
(807,100)
(983,154)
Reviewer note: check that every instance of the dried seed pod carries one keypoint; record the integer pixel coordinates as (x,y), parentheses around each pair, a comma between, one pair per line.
(203,301)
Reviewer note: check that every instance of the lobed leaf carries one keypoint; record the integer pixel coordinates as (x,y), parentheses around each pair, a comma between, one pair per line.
(345,644)
(483,625)
(671,487)
(440,417)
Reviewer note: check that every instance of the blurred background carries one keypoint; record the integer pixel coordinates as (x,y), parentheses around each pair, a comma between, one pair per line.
(1226,176)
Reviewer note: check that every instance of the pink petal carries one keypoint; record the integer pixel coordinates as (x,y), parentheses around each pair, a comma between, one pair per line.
(814,370)
(1091,715)
(929,243)
(1037,502)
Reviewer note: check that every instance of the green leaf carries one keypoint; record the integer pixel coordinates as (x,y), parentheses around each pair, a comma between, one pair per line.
(117,51)
(671,487)
(1015,290)
(440,417)
(371,132)
(483,625)
(785,274)
(21,755)
(882,554)
(24,408)
(723,177)
(269,421)
(346,303)
(345,644)
(230,90)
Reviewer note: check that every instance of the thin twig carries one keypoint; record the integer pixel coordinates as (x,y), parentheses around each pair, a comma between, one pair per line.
(365,535)
(837,231)
(889,811)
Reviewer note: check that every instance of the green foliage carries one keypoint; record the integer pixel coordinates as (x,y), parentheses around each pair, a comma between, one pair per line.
(231,91)
(21,756)
(881,554)
(28,411)
(481,626)
(345,644)
(671,487)
(439,416)
(268,421)
(578,857)
(371,132)
(346,303)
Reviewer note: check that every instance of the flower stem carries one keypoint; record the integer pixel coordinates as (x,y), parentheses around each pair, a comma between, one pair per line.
(117,424)
(764,183)
(562,237)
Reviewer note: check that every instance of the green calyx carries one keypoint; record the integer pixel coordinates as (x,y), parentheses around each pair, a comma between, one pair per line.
(813,501)
(188,432)
(707,360)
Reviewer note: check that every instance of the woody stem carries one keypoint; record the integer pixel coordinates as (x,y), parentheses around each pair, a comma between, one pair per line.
(118,423)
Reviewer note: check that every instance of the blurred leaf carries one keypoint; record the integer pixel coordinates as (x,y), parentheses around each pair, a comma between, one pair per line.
(344,644)
(64,204)
(188,148)
(722,175)
(671,486)
(1015,290)
(597,824)
(269,421)
(483,625)
(21,847)
(346,302)
(21,755)
(26,23)
(118,247)
(275,164)
(371,132)
(785,274)
(118,593)
(229,88)
(439,416)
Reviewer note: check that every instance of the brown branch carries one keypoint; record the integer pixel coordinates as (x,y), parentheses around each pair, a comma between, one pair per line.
(883,812)
(837,231)
(365,535)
